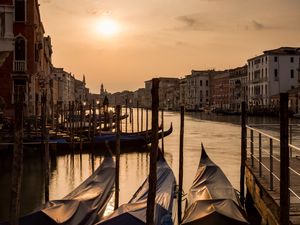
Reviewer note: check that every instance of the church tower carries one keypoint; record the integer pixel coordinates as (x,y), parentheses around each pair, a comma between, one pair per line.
(101,89)
(83,79)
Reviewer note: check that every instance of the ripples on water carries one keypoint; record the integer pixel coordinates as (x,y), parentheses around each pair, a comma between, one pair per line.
(219,134)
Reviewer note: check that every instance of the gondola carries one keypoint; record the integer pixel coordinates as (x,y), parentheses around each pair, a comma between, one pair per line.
(130,140)
(134,212)
(84,205)
(212,199)
(144,132)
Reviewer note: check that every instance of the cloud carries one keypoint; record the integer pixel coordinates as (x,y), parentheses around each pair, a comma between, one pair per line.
(194,22)
(257,25)
(188,20)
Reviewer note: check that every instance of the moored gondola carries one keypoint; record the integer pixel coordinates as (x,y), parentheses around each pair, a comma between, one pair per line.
(134,212)
(84,205)
(212,200)
(130,140)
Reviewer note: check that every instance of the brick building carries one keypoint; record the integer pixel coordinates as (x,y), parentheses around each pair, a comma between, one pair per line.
(22,65)
(220,90)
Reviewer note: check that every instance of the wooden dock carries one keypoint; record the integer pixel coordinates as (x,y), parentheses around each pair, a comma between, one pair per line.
(267,201)
(271,170)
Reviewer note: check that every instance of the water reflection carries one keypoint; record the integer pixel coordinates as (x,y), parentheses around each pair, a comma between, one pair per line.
(220,135)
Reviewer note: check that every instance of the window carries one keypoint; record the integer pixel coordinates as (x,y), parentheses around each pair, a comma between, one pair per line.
(20,49)
(206,92)
(275,59)
(292,59)
(276,74)
(292,87)
(292,73)
(206,82)
(201,83)
(2,24)
(20,10)
(37,53)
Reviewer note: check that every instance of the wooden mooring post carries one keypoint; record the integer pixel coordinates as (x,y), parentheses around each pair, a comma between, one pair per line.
(147,118)
(153,154)
(117,176)
(72,124)
(132,121)
(45,145)
(243,153)
(284,161)
(137,117)
(94,127)
(100,119)
(46,166)
(180,181)
(17,164)
(162,137)
(142,119)
(90,121)
(81,125)
(126,113)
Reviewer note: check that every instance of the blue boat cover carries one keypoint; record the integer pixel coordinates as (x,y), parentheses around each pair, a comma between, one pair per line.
(84,205)
(212,200)
(134,212)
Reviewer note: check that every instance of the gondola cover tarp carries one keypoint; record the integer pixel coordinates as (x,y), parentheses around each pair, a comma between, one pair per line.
(134,212)
(212,199)
(83,205)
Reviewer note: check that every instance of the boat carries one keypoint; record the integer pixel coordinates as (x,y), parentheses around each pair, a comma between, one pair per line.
(144,132)
(130,140)
(212,199)
(85,205)
(134,212)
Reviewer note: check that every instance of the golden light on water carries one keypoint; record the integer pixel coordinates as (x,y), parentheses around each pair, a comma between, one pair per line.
(108,27)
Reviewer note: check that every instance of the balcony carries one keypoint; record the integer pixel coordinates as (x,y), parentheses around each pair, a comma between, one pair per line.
(20,66)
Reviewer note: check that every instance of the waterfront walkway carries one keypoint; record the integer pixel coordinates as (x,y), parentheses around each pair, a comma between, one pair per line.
(263,177)
(271,198)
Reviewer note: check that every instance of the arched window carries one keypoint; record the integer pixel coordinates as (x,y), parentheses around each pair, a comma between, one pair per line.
(20,10)
(20,49)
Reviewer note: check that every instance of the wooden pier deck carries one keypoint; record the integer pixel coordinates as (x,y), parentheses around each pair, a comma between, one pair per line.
(267,201)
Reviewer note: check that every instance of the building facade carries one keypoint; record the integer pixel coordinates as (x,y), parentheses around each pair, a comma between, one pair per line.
(65,86)
(220,91)
(22,67)
(81,92)
(197,89)
(271,73)
(238,88)
(168,93)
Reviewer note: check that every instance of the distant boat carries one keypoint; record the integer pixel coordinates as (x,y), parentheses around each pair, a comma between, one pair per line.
(84,205)
(129,140)
(134,212)
(212,200)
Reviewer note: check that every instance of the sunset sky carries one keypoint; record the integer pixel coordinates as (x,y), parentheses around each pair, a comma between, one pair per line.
(150,38)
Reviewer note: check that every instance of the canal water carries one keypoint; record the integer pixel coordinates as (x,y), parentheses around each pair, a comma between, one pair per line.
(219,134)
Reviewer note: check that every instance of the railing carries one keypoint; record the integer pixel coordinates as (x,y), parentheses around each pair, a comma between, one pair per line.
(264,153)
(20,66)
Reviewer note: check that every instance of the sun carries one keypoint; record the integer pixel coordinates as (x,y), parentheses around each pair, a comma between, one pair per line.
(107,27)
